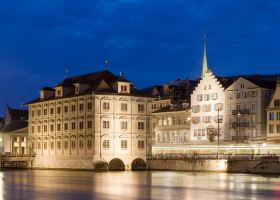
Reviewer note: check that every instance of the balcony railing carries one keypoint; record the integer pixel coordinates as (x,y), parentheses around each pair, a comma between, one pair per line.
(240,124)
(241,138)
(241,112)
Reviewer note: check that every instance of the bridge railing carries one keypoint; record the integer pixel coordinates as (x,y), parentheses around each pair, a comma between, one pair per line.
(213,156)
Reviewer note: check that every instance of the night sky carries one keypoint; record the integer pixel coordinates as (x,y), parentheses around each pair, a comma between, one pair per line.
(149,41)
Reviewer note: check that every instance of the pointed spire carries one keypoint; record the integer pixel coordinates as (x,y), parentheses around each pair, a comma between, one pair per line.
(204,63)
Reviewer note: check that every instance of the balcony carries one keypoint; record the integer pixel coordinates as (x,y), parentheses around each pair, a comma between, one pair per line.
(241,138)
(241,112)
(240,124)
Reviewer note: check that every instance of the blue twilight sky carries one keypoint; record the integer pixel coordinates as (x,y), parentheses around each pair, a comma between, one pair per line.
(149,41)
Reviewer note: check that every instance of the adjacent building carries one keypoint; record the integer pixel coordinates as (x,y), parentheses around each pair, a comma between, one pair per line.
(246,101)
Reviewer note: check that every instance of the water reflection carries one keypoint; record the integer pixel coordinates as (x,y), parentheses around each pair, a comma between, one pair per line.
(44,184)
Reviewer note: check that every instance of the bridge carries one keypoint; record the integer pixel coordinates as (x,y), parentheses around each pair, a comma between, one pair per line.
(16,161)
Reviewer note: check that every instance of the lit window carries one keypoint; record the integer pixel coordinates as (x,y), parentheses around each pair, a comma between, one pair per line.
(124,144)
(106,144)
(106,106)
(141,144)
(123,107)
(45,145)
(106,124)
(140,125)
(123,125)
(52,145)
(141,107)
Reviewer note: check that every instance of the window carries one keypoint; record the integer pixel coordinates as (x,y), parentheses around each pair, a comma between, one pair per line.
(89,124)
(58,144)
(32,129)
(52,111)
(89,144)
(123,88)
(238,95)
(206,97)
(52,145)
(254,93)
(66,126)
(73,108)
(199,97)
(32,145)
(124,144)
(277,103)
(207,108)
(73,144)
(81,125)
(58,110)
(123,125)
(73,125)
(141,108)
(253,106)
(106,144)
(32,113)
(81,107)
(209,87)
(140,125)
(230,96)
(141,144)
(196,109)
(106,106)
(123,107)
(81,144)
(271,128)
(105,124)
(278,115)
(89,106)
(58,93)
(45,145)
(58,127)
(66,145)
(39,145)
(66,109)
(271,116)
(52,127)
(39,128)
(206,119)
(45,111)
(242,86)
(45,128)
(39,113)
(246,94)
(214,96)
(278,128)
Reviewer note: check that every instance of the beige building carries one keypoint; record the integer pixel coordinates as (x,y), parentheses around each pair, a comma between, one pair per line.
(171,127)
(246,103)
(90,121)
(273,116)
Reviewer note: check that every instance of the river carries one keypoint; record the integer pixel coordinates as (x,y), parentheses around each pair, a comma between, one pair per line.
(51,184)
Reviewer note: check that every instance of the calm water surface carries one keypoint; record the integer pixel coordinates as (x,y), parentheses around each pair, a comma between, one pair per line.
(44,184)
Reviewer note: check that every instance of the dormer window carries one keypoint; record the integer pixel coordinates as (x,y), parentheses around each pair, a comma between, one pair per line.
(123,88)
(58,92)
(77,89)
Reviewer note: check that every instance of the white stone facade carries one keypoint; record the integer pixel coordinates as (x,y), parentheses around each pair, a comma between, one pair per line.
(207,100)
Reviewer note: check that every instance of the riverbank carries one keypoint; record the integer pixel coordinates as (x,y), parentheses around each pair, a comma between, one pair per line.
(262,166)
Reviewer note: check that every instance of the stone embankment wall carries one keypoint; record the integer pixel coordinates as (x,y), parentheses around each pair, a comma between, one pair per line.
(188,165)
(238,166)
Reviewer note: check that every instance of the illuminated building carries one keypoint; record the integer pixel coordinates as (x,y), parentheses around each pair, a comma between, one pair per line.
(246,101)
(87,119)
(13,132)
(273,116)
(171,125)
(207,102)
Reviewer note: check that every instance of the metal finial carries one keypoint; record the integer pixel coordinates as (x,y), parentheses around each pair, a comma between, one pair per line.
(106,63)
(66,72)
(120,73)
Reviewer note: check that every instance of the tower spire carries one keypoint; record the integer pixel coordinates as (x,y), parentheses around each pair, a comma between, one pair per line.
(204,62)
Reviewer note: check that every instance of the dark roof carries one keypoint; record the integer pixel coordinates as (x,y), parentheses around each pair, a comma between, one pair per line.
(94,81)
(174,107)
(15,125)
(17,114)
(47,88)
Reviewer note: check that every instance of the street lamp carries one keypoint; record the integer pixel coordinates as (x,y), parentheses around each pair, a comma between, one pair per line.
(218,147)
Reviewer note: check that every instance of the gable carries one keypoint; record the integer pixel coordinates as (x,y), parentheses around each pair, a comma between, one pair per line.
(237,84)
